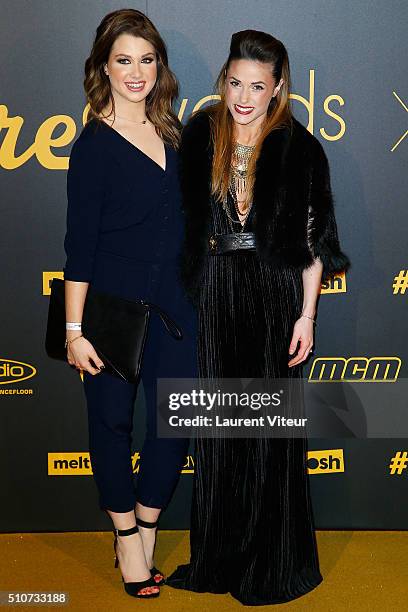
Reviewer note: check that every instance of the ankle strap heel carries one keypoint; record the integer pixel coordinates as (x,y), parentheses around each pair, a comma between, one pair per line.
(122,532)
(146,524)
(157,575)
(126,532)
(134,588)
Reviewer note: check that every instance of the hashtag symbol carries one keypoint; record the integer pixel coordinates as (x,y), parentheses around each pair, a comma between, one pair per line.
(400,282)
(399,462)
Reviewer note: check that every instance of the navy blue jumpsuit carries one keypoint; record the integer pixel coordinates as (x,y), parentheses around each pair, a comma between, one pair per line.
(124,233)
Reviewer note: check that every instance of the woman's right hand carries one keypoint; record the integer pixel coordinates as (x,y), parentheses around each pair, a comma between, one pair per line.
(80,353)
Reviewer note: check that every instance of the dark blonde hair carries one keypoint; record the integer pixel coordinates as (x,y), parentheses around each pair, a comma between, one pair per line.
(97,87)
(260,47)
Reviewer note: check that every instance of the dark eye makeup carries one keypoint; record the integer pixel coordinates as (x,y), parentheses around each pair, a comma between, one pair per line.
(126,60)
(255,87)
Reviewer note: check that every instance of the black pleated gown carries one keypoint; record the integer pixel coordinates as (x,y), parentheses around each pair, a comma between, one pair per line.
(252,531)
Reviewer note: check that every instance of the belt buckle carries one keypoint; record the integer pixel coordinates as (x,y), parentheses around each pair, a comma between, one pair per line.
(212,243)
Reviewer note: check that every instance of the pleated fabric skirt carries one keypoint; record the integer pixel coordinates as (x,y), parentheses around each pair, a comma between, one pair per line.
(252,531)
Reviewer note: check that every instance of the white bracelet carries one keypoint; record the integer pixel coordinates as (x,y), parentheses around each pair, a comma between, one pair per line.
(73,326)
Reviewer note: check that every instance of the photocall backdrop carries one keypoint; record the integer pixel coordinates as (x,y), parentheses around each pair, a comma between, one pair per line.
(350,90)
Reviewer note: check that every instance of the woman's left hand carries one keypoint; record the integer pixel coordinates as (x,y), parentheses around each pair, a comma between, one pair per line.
(303,333)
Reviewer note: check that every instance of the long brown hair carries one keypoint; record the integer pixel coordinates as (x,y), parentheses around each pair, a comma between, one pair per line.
(261,47)
(97,87)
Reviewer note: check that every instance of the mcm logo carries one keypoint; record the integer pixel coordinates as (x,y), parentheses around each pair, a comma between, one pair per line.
(355,369)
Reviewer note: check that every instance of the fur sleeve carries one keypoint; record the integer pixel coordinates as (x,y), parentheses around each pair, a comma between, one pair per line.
(195,158)
(322,236)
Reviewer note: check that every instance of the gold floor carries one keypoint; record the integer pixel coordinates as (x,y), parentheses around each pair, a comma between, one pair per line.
(362,570)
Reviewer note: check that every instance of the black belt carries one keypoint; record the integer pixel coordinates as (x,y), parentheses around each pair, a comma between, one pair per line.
(228,243)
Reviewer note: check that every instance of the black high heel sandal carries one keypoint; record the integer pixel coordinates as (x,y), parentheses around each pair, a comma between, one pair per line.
(155,573)
(134,588)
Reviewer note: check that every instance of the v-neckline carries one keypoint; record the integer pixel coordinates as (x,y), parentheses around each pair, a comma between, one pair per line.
(140,150)
(234,212)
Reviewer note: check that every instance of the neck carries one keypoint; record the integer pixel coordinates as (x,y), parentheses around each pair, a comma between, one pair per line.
(248,134)
(134,111)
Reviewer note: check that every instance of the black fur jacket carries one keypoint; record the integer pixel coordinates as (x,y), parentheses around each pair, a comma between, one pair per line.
(294,221)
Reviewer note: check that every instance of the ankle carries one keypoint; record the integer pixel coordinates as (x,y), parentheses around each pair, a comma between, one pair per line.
(144,524)
(148,537)
(127,542)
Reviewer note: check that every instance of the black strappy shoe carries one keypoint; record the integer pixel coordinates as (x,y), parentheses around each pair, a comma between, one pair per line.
(134,588)
(156,574)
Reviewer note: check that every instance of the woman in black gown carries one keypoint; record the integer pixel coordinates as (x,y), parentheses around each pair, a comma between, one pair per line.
(260,233)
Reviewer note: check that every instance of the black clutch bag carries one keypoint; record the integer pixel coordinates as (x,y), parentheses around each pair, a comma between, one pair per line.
(117,329)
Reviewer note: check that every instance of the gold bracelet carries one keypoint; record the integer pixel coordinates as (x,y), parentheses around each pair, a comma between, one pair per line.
(68,342)
(307,317)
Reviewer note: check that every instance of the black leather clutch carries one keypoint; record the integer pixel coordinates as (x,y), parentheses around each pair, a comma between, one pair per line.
(117,329)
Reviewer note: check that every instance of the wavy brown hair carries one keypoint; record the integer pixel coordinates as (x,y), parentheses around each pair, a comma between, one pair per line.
(260,47)
(97,86)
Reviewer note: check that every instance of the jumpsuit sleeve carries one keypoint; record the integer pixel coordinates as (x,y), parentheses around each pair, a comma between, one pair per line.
(85,190)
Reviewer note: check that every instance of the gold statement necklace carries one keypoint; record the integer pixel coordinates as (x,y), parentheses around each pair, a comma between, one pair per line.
(241,156)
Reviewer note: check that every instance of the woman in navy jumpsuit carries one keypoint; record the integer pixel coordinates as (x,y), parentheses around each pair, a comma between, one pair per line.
(124,231)
(124,235)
